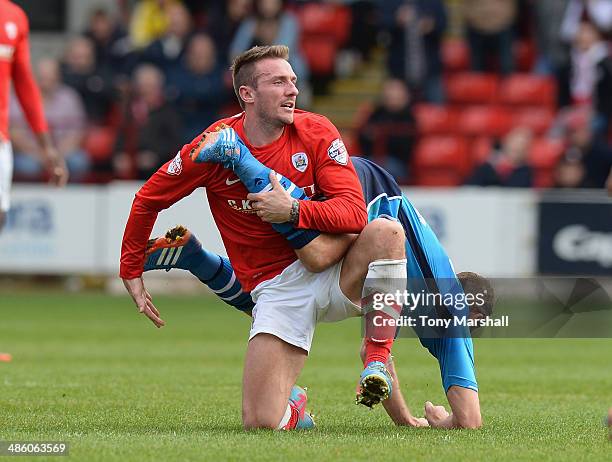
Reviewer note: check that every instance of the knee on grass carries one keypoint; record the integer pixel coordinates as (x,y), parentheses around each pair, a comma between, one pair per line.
(254,418)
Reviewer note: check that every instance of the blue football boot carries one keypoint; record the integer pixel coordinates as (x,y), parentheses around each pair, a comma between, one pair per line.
(374,385)
(221,147)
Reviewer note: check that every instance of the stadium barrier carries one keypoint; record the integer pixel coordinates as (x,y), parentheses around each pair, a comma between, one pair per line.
(78,230)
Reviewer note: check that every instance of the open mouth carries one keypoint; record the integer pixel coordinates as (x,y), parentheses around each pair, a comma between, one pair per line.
(288,105)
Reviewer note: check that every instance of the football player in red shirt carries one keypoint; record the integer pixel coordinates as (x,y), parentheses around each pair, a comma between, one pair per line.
(307,151)
(15,66)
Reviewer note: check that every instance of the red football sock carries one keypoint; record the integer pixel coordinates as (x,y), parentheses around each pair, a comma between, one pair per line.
(377,350)
(380,333)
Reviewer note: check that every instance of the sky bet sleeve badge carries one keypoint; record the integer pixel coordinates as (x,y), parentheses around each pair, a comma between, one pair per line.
(176,166)
(337,151)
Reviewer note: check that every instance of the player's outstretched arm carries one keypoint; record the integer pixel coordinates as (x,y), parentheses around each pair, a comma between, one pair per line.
(465,407)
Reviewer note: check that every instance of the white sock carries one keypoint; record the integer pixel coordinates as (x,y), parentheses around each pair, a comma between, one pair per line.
(285,420)
(384,277)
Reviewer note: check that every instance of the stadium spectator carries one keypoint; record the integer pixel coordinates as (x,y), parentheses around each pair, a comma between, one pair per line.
(389,133)
(149,21)
(111,44)
(595,154)
(167,51)
(507,166)
(66,118)
(95,86)
(364,26)
(197,86)
(272,24)
(224,18)
(609,188)
(150,133)
(599,12)
(552,51)
(590,76)
(489,30)
(416,28)
(570,171)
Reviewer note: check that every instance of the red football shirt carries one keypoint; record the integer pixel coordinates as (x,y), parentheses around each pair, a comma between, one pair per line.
(310,153)
(15,65)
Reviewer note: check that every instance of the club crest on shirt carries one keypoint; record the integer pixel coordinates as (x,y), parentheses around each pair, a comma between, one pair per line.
(337,151)
(176,166)
(300,161)
(11,30)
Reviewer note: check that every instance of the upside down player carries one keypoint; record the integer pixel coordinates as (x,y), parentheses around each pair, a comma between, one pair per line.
(15,66)
(289,296)
(427,263)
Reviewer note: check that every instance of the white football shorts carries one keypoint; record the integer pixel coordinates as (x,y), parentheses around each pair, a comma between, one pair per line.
(6,175)
(289,305)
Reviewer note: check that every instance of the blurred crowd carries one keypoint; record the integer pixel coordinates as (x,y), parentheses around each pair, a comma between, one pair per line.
(141,81)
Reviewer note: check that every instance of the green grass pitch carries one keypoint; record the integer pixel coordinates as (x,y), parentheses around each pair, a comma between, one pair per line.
(89,370)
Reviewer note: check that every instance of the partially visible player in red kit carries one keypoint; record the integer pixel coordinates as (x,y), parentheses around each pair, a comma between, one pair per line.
(15,66)
(297,277)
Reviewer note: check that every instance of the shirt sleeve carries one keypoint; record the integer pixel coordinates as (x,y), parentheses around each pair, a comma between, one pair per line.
(344,209)
(25,86)
(176,179)
(456,358)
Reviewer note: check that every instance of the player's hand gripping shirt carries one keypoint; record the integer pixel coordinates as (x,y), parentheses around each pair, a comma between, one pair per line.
(310,153)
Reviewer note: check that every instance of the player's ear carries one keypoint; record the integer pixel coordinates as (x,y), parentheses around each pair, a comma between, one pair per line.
(246,94)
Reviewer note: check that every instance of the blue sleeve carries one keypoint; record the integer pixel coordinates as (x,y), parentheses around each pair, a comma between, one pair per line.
(456,359)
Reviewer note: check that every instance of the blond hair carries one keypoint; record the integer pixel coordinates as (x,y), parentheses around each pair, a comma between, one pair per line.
(243,66)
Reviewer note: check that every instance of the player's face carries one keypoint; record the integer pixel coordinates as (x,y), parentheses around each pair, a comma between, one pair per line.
(276,93)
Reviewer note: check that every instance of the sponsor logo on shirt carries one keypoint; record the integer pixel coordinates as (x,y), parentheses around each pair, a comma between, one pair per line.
(300,161)
(176,166)
(246,206)
(230,181)
(337,151)
(241,205)
(11,30)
